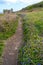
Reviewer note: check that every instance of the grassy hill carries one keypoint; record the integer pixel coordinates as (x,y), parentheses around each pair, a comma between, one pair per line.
(31,52)
(37,6)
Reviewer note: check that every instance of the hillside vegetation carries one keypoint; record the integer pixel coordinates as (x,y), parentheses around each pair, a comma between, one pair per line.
(8,25)
(38,6)
(31,53)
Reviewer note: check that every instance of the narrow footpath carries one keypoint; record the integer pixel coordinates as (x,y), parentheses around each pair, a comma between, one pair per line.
(10,54)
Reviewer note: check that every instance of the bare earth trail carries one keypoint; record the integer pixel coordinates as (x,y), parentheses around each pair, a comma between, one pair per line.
(12,44)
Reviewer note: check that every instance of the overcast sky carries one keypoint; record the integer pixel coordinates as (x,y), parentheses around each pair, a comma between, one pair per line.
(16,4)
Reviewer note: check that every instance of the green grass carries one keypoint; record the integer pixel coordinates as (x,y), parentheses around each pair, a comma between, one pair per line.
(31,53)
(1,14)
(1,48)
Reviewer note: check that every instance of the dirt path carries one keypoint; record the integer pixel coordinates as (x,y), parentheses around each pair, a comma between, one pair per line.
(12,44)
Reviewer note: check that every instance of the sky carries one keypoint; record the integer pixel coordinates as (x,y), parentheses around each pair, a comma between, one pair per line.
(16,4)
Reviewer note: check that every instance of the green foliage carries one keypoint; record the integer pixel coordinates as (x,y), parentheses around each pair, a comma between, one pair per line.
(31,53)
(7,29)
(1,48)
(39,26)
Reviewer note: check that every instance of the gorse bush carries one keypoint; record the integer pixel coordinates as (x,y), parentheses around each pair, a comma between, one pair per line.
(31,53)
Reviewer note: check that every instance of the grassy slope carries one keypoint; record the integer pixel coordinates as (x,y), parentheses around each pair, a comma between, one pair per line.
(32,51)
(38,6)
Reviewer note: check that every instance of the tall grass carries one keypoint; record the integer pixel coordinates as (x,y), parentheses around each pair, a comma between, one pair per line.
(31,52)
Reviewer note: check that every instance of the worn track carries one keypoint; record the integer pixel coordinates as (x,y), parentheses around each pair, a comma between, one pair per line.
(10,54)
